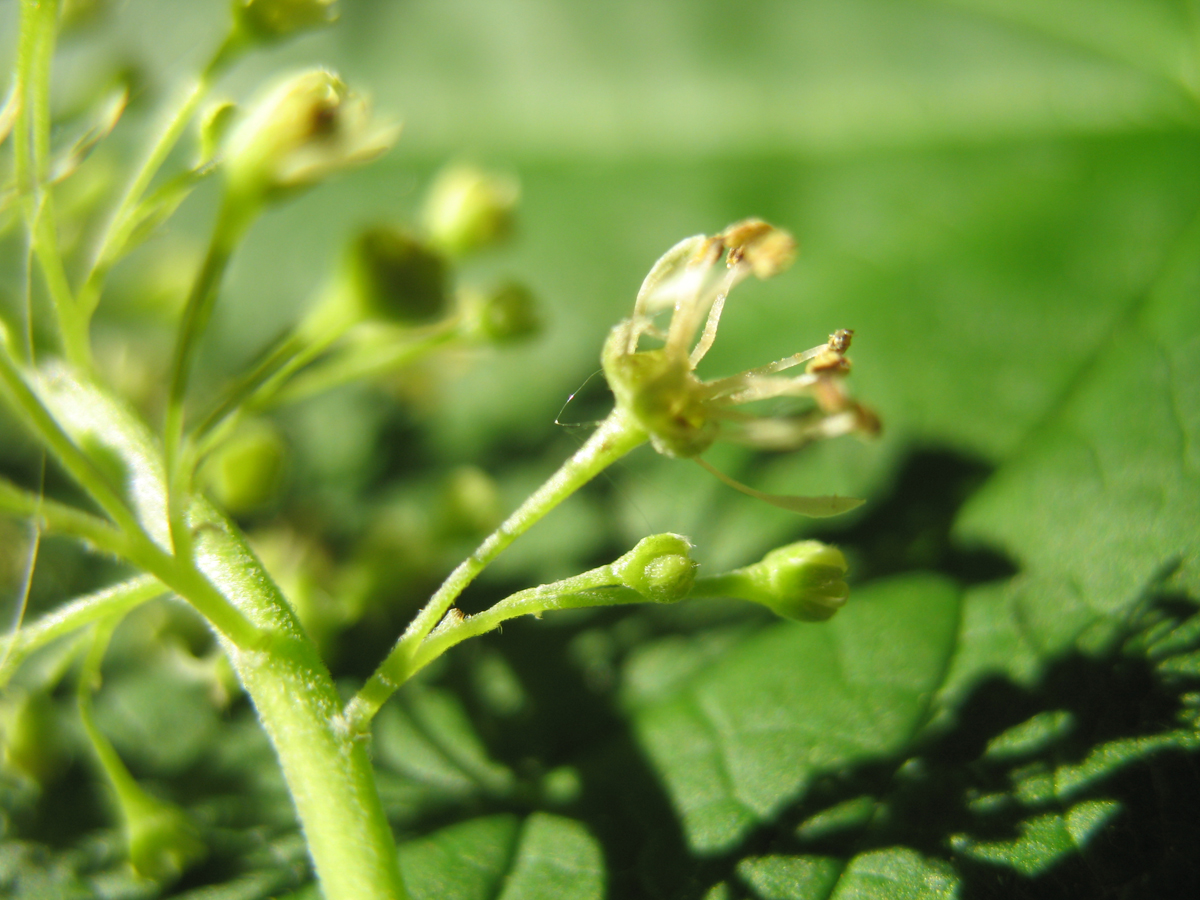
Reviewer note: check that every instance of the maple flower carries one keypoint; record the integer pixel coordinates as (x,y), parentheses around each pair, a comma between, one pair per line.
(683,414)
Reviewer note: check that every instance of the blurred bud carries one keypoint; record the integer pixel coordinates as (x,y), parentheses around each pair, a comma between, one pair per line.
(660,568)
(395,278)
(306,129)
(29,736)
(507,313)
(246,472)
(802,581)
(467,209)
(470,504)
(163,843)
(270,20)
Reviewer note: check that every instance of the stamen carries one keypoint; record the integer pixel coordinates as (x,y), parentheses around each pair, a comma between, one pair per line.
(710,332)
(816,507)
(748,388)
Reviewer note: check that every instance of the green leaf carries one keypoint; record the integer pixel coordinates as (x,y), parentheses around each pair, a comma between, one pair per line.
(748,734)
(544,856)
(1101,503)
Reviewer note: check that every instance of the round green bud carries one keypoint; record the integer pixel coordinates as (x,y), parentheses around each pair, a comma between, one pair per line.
(270,20)
(802,581)
(30,740)
(394,277)
(246,472)
(470,504)
(467,209)
(508,313)
(660,568)
(163,843)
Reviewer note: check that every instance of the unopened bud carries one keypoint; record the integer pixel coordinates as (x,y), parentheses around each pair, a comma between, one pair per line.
(660,568)
(470,504)
(246,472)
(306,129)
(468,209)
(802,581)
(270,20)
(163,843)
(395,278)
(29,736)
(507,313)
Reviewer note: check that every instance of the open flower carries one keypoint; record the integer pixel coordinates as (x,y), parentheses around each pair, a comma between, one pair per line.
(683,414)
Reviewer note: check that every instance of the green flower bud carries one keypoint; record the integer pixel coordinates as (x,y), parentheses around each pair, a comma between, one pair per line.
(802,581)
(508,313)
(470,504)
(306,129)
(396,278)
(468,209)
(163,843)
(29,736)
(246,472)
(270,20)
(660,568)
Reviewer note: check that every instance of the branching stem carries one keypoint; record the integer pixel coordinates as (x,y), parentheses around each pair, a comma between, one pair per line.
(615,437)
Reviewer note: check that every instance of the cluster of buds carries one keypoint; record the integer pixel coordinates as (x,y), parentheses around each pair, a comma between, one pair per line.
(683,414)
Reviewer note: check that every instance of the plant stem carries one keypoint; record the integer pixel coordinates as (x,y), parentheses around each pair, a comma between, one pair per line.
(327,769)
(533,602)
(615,437)
(58,442)
(31,155)
(123,220)
(60,518)
(233,219)
(63,620)
(357,363)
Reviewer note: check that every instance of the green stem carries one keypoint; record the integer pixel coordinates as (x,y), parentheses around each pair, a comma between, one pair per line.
(131,541)
(69,617)
(124,219)
(615,437)
(31,155)
(358,362)
(533,602)
(111,765)
(327,769)
(58,442)
(60,518)
(232,222)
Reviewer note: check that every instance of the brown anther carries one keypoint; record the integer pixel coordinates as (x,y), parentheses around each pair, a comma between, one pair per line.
(741,234)
(839,341)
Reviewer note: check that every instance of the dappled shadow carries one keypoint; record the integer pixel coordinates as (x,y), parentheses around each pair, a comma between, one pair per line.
(909,528)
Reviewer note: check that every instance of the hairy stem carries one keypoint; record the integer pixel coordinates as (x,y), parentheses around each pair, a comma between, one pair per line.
(328,771)
(615,437)
(70,617)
